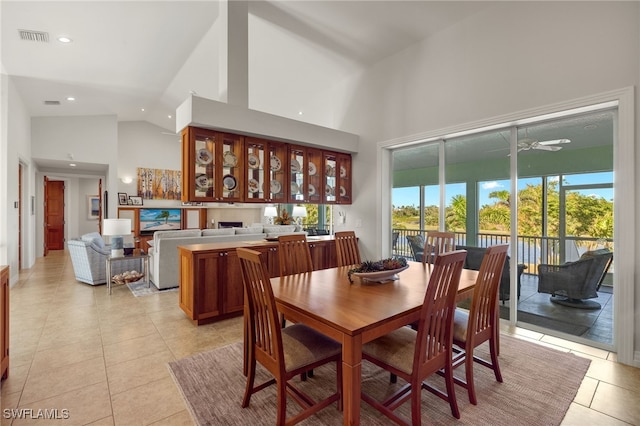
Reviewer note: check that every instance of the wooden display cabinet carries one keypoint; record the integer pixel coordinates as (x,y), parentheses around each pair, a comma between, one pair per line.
(337,177)
(225,167)
(4,322)
(266,171)
(212,166)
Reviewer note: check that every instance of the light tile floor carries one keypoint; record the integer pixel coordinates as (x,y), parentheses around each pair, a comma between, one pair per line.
(104,358)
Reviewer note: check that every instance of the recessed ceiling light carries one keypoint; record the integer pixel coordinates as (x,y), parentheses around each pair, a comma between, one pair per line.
(72,164)
(142,109)
(169,116)
(71,98)
(64,39)
(300,112)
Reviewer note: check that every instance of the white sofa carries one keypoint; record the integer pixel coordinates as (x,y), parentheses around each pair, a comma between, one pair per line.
(163,254)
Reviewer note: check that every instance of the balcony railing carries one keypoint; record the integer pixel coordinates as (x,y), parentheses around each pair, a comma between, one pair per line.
(532,250)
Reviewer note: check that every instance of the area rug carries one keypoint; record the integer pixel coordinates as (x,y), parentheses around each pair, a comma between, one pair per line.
(539,385)
(141,288)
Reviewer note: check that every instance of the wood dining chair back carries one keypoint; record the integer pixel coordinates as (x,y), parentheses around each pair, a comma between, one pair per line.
(480,324)
(294,254)
(347,248)
(415,355)
(285,353)
(436,243)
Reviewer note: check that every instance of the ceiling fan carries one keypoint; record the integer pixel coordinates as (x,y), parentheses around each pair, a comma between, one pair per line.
(528,143)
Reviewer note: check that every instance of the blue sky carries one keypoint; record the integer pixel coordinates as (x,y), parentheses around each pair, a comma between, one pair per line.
(410,196)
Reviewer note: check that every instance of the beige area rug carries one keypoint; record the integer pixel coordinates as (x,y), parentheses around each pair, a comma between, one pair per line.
(539,385)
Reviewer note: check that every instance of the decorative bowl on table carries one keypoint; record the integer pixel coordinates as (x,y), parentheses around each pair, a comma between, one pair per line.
(380,271)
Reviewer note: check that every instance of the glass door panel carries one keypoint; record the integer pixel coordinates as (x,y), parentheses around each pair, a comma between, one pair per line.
(256,165)
(314,171)
(232,180)
(278,172)
(297,181)
(565,209)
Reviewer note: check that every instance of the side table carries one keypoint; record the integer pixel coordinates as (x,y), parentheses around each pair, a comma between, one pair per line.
(140,255)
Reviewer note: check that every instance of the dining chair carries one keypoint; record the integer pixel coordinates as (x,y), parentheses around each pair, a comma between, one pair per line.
(437,242)
(294,255)
(481,323)
(347,248)
(286,352)
(294,258)
(414,355)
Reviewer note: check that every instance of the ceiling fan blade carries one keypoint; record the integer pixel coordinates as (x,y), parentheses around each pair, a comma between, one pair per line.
(554,142)
(547,148)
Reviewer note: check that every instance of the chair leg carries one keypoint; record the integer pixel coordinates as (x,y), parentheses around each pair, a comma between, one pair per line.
(282,402)
(393,378)
(495,365)
(451,391)
(251,375)
(416,406)
(471,388)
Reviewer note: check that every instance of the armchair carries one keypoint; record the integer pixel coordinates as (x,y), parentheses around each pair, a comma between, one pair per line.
(569,284)
(416,244)
(89,255)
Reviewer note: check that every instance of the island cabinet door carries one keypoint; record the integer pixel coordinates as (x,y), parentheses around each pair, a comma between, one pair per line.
(230,280)
(206,280)
(270,258)
(317,251)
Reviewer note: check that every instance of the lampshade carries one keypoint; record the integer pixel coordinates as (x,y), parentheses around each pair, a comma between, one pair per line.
(116,228)
(299,211)
(270,211)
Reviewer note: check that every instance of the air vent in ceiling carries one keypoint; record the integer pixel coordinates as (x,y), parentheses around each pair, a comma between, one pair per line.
(39,36)
(52,102)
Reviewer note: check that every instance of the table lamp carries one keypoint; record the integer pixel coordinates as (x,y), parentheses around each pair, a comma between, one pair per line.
(116,229)
(299,212)
(270,212)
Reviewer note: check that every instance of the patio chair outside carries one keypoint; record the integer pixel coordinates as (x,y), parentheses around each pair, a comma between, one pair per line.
(570,284)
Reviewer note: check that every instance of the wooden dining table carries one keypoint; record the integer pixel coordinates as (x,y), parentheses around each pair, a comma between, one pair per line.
(356,313)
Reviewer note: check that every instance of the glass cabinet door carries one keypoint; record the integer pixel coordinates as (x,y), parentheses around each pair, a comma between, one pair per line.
(278,172)
(314,172)
(198,164)
(337,177)
(257,178)
(297,181)
(266,171)
(231,160)
(329,190)
(343,172)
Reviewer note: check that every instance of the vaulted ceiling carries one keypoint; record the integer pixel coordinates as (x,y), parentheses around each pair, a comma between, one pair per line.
(126,56)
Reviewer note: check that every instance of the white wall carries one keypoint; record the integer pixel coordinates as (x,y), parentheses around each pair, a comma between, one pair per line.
(142,144)
(513,57)
(15,145)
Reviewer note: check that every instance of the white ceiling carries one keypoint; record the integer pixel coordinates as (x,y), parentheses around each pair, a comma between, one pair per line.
(128,55)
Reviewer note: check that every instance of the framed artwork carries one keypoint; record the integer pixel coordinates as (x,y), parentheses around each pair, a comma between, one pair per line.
(159,184)
(123,198)
(93,207)
(135,200)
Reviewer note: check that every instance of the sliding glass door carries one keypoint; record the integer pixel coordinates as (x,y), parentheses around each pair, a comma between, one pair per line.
(562,198)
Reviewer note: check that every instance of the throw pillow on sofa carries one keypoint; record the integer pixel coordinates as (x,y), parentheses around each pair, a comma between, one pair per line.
(95,238)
